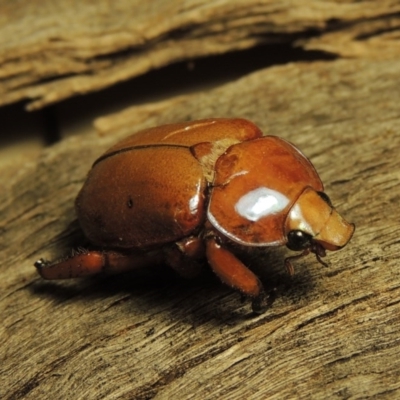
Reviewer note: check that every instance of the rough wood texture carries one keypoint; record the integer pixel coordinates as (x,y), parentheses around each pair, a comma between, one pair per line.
(50,51)
(331,333)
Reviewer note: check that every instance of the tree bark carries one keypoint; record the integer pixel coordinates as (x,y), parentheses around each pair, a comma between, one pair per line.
(331,333)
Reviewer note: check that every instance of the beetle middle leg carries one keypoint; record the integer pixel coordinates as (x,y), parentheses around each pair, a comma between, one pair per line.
(185,256)
(86,263)
(234,273)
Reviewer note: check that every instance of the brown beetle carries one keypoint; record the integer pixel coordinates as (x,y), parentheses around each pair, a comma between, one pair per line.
(184,192)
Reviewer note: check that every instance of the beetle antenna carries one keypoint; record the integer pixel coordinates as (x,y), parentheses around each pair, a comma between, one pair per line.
(319,252)
(321,261)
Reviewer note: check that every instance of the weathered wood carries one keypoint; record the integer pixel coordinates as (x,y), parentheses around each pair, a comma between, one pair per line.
(50,51)
(332,333)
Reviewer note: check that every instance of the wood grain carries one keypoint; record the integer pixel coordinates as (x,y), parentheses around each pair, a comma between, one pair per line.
(331,333)
(51,51)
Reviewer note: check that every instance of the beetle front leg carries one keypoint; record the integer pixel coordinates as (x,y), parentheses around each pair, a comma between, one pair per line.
(234,273)
(86,263)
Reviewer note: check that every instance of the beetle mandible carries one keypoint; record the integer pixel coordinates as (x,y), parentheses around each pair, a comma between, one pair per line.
(190,191)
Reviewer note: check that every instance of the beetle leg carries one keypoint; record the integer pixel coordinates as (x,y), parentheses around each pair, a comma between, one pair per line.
(86,263)
(234,273)
(288,261)
(185,256)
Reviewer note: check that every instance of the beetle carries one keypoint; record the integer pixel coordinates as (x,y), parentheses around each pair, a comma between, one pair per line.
(182,193)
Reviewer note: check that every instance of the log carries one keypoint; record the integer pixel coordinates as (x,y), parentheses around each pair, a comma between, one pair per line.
(331,333)
(52,51)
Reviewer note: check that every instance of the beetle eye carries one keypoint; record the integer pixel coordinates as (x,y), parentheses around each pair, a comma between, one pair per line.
(298,240)
(325,197)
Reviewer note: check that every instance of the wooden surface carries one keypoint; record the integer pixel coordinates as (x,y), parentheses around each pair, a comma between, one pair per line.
(51,51)
(331,333)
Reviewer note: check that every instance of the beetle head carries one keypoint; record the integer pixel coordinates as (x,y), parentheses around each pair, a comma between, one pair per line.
(313,225)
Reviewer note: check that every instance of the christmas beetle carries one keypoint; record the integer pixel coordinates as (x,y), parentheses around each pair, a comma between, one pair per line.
(181,193)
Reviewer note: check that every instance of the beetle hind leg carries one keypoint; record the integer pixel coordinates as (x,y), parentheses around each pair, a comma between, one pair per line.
(86,263)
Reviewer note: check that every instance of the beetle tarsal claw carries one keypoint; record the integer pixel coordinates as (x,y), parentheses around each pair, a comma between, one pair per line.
(263,301)
(259,305)
(41,263)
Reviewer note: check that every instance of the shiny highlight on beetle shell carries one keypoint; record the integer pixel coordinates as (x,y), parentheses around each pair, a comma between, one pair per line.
(260,203)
